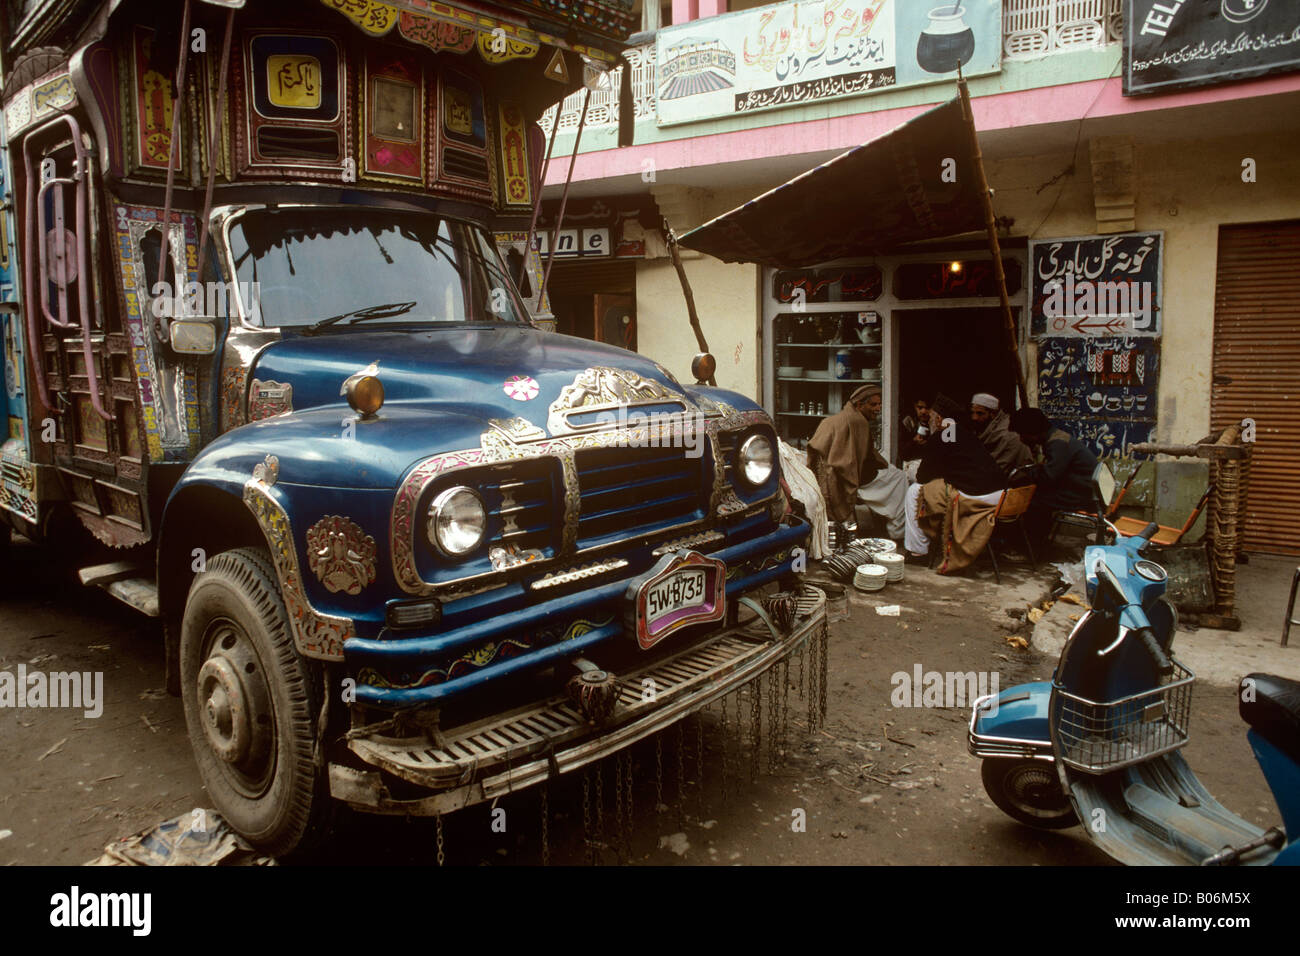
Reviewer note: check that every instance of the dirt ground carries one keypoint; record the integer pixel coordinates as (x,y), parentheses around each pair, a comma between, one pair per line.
(875,785)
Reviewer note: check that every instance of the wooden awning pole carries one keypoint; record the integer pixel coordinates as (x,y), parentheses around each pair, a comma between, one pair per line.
(686,291)
(990,226)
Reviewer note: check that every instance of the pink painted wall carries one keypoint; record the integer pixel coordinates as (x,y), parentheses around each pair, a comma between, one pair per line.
(1051,104)
(685,10)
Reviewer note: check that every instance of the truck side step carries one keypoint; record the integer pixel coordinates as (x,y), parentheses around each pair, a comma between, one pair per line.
(127,582)
(103,574)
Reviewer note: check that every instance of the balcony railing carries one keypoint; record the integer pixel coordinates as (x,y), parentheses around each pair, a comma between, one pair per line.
(1030,29)
(1034,28)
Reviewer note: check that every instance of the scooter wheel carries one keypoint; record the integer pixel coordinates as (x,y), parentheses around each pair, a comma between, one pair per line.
(1028,791)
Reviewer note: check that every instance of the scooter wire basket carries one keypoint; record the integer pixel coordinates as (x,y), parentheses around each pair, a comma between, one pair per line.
(1100,736)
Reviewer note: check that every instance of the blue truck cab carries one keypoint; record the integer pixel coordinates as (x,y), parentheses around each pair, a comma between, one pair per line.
(410,550)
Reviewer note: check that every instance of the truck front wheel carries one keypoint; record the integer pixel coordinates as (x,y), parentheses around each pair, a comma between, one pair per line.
(251,704)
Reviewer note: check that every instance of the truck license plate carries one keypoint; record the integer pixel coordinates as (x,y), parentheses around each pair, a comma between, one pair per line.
(682,589)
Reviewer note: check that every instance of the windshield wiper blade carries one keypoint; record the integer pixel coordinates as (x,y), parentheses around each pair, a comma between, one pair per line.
(361,315)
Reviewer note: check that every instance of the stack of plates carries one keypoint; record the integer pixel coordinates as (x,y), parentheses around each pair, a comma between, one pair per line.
(870,577)
(875,545)
(893,563)
(858,555)
(840,566)
(790,371)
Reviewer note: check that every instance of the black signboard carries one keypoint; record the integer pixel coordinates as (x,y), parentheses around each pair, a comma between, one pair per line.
(1102,390)
(1096,286)
(1176,44)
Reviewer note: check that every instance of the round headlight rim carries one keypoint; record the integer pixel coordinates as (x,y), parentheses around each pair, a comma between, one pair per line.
(740,458)
(434,511)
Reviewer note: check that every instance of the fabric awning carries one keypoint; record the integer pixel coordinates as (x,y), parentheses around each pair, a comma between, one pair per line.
(865,202)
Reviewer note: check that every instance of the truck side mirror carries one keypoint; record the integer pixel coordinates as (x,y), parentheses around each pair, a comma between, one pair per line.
(193,336)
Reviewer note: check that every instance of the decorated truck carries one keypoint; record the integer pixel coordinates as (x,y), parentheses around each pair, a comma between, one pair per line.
(265,347)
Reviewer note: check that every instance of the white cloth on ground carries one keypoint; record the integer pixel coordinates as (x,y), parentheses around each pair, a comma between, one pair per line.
(803,486)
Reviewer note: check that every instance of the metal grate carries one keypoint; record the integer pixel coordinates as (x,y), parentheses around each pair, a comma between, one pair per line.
(623,490)
(1034,28)
(1097,737)
(509,739)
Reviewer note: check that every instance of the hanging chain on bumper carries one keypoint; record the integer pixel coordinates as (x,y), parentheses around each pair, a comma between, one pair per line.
(587,836)
(546,832)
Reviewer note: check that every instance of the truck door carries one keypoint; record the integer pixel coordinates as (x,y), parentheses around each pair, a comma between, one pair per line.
(83,408)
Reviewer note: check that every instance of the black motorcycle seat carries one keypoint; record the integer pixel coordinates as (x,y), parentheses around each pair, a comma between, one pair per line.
(1272,708)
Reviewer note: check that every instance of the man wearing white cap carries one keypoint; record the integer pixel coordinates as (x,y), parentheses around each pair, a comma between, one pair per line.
(993,428)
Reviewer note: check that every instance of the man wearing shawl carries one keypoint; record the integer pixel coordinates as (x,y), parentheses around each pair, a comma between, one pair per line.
(994,429)
(956,498)
(849,470)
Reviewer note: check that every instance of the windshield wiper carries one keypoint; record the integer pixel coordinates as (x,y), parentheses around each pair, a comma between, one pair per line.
(362,315)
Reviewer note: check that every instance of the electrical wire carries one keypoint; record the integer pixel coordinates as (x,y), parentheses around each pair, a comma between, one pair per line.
(1069,170)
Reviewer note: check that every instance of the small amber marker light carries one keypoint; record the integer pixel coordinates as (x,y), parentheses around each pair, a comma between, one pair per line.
(365,394)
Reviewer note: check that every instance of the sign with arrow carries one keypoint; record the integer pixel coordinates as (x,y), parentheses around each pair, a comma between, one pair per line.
(1092,286)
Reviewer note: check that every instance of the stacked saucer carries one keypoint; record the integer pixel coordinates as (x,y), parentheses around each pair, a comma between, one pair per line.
(875,545)
(870,577)
(892,563)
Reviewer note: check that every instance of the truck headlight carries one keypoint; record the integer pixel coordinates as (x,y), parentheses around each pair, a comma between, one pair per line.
(755,460)
(457,521)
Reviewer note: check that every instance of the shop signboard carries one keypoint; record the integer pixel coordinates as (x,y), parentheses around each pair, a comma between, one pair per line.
(814,50)
(1102,390)
(1175,44)
(1096,286)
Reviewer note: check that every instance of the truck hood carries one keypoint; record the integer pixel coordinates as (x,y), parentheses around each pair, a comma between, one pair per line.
(485,373)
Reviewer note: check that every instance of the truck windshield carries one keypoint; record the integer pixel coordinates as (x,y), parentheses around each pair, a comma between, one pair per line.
(297,266)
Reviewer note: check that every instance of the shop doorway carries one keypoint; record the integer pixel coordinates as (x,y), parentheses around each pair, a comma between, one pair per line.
(955,351)
(595,300)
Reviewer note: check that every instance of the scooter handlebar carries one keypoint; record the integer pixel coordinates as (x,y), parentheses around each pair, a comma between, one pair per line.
(1149,531)
(1163,664)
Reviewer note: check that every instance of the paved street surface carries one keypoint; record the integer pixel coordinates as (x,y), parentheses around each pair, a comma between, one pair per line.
(875,785)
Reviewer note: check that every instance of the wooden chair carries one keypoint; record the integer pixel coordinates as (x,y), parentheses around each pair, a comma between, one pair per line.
(1011,510)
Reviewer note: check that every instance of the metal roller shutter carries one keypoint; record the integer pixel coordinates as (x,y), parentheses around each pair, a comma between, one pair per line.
(1257,371)
(590,276)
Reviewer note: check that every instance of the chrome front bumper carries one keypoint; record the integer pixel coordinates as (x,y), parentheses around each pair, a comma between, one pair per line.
(981,745)
(519,749)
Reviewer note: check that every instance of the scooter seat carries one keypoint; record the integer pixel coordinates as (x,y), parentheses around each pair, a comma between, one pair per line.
(1273,711)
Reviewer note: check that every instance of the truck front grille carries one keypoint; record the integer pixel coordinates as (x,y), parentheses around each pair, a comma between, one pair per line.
(623,491)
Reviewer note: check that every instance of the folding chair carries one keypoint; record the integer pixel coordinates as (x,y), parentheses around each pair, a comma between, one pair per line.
(1166,536)
(1011,510)
(1087,520)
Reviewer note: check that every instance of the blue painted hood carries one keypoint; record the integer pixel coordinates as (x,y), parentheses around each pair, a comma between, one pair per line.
(442,387)
(462,369)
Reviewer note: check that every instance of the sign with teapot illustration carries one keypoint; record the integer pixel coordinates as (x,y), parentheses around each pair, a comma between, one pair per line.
(814,50)
(1104,390)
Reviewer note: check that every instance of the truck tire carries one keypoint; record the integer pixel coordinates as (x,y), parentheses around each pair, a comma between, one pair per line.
(252,704)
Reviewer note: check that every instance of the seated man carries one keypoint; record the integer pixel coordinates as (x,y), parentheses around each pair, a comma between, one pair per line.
(913,429)
(1064,478)
(849,469)
(957,491)
(993,427)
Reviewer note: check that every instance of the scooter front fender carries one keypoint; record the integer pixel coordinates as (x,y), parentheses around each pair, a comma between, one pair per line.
(1012,723)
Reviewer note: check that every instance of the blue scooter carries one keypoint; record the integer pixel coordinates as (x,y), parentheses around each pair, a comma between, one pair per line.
(1099,743)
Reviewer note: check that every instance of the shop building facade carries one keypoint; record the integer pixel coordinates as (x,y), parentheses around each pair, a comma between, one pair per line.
(1177,211)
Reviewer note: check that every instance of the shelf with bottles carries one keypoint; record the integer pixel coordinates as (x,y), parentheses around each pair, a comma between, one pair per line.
(852,330)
